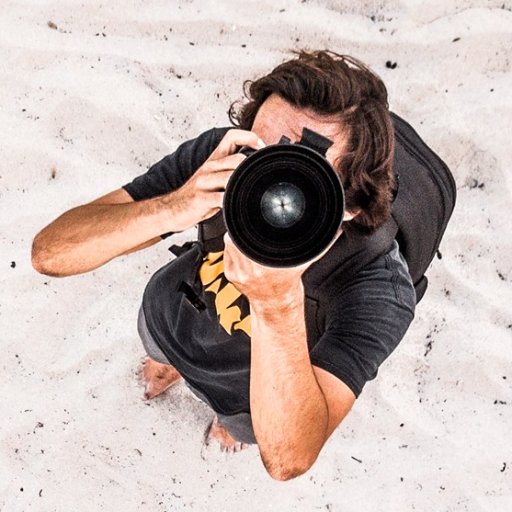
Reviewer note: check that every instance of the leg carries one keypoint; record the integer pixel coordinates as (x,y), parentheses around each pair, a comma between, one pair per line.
(221,434)
(221,429)
(157,374)
(157,377)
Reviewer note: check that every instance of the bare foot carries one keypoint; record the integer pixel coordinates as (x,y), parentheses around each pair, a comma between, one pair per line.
(220,434)
(157,377)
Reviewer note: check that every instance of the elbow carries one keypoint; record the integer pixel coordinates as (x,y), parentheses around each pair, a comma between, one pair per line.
(284,475)
(41,259)
(40,262)
(283,471)
(38,256)
(289,458)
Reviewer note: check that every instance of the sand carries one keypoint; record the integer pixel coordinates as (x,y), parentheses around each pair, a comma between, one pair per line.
(89,101)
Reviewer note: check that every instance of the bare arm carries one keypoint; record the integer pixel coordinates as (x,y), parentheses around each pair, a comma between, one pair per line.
(90,235)
(295,406)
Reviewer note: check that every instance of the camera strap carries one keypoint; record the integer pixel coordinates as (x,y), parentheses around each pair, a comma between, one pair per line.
(211,232)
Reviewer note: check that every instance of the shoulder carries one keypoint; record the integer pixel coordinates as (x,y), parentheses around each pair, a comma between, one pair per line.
(193,151)
(376,307)
(173,170)
(202,145)
(386,280)
(213,135)
(366,320)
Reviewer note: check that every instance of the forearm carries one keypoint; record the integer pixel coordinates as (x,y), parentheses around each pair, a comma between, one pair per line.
(288,408)
(88,236)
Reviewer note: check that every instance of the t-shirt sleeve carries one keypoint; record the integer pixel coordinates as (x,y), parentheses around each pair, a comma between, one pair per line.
(366,321)
(174,170)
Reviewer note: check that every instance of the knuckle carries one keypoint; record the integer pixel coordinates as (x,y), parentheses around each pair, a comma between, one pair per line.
(240,158)
(200,182)
(233,133)
(236,135)
(208,166)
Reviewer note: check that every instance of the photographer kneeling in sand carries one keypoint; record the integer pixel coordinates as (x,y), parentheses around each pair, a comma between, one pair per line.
(279,353)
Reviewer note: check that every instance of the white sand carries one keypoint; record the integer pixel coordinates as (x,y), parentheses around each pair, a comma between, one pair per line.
(431,433)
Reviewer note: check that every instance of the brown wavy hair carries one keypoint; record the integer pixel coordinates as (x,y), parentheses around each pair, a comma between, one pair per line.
(332,84)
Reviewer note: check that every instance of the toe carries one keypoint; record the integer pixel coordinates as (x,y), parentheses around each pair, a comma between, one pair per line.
(227,443)
(157,377)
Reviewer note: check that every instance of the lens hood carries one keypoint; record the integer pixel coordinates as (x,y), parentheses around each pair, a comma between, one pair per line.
(283,205)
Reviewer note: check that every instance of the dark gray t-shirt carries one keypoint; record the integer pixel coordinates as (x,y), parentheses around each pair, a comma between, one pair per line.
(202,323)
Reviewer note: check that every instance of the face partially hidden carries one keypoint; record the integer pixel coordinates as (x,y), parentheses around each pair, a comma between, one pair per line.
(276,117)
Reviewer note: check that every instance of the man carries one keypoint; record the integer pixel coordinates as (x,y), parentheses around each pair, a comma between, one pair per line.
(235,329)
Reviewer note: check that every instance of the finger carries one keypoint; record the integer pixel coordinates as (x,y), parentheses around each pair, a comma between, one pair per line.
(231,251)
(214,182)
(236,138)
(213,201)
(225,163)
(211,213)
(228,248)
(227,240)
(215,174)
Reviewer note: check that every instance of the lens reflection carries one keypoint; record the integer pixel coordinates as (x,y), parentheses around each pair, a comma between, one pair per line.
(283,205)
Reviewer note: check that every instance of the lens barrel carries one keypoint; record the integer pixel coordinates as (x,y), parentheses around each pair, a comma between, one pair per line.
(283,205)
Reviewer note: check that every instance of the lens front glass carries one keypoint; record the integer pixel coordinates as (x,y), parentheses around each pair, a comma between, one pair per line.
(283,204)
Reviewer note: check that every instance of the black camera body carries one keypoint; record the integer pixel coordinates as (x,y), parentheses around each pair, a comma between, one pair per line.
(284,203)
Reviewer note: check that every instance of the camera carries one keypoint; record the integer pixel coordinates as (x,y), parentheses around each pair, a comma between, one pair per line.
(284,204)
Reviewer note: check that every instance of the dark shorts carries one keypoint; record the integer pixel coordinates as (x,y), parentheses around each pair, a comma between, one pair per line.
(239,425)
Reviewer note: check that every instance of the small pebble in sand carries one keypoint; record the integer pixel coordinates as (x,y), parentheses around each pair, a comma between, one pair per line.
(52,25)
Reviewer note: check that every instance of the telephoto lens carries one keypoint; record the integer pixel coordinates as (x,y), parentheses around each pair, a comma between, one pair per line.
(283,205)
